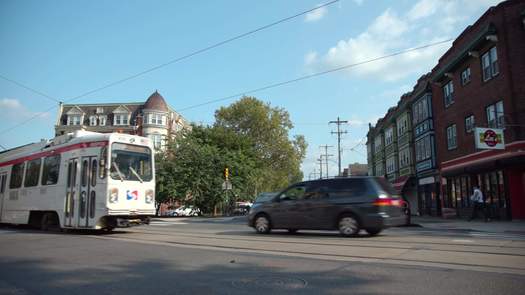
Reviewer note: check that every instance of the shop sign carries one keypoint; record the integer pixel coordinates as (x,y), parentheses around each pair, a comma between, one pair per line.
(489,138)
(427,180)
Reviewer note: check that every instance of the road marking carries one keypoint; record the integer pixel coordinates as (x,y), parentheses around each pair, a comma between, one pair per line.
(463,241)
(161,223)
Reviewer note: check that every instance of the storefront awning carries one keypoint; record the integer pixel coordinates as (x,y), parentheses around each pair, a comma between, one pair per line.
(399,183)
(513,154)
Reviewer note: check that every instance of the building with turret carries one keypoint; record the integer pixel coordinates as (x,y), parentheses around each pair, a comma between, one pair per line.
(153,118)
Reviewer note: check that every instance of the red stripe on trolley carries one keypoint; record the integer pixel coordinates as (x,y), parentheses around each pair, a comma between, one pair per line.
(59,150)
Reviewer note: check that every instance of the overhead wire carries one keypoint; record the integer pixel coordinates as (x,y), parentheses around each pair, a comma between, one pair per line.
(170,61)
(314,75)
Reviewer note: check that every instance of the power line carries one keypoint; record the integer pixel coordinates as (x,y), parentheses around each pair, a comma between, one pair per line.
(168,62)
(29,88)
(277,84)
(315,75)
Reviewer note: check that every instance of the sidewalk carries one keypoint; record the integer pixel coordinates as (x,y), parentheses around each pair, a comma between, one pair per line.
(497,226)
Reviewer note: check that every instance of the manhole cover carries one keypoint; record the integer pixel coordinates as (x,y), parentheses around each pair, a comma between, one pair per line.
(271,282)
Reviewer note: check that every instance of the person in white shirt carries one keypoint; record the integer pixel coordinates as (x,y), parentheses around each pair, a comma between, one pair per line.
(478,203)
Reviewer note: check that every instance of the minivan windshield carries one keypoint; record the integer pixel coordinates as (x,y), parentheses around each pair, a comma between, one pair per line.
(130,162)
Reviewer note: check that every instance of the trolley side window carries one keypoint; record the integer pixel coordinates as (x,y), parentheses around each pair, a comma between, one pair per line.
(51,170)
(17,173)
(32,172)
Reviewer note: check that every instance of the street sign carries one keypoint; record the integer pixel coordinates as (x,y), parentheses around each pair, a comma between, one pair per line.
(227,185)
(489,138)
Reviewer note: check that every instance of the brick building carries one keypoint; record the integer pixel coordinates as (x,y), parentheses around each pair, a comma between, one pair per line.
(153,118)
(480,82)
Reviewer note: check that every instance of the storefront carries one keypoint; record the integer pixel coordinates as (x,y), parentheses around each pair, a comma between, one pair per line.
(500,174)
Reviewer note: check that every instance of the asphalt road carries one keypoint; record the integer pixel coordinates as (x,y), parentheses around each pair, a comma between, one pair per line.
(224,256)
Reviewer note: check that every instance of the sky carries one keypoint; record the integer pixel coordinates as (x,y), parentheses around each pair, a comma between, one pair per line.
(62,49)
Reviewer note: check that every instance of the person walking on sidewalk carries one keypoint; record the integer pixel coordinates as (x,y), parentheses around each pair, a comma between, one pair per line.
(478,203)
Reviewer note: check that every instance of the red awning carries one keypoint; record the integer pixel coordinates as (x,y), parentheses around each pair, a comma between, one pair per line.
(399,183)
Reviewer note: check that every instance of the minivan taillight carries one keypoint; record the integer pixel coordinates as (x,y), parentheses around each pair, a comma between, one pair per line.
(387,202)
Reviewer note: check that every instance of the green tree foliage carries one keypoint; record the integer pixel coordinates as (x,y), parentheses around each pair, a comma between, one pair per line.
(267,128)
(250,138)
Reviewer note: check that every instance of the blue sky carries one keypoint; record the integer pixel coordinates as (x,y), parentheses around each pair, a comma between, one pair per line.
(66,48)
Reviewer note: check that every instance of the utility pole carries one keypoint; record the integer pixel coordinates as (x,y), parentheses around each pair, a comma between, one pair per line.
(320,160)
(339,132)
(326,155)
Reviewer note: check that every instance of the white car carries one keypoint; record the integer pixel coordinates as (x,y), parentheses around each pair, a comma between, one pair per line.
(186,211)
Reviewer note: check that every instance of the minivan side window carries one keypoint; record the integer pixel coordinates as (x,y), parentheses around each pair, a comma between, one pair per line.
(293,193)
(348,188)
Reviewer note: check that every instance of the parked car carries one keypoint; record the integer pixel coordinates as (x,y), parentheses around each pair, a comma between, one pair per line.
(344,204)
(242,208)
(186,211)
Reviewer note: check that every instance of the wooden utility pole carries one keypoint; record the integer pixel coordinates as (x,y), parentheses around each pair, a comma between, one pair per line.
(339,132)
(326,155)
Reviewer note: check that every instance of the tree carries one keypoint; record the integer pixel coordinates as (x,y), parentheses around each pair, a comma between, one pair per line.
(267,130)
(250,138)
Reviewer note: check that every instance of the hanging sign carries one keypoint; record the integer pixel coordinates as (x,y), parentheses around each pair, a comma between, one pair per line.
(489,138)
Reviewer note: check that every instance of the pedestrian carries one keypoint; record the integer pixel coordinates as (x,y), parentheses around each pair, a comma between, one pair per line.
(478,203)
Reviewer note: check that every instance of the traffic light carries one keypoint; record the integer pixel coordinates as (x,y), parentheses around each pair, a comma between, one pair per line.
(226,173)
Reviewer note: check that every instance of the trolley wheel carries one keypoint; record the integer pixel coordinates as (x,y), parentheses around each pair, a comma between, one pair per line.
(48,221)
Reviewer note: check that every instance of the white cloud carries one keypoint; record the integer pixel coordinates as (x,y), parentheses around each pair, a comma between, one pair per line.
(428,21)
(315,15)
(359,2)
(13,109)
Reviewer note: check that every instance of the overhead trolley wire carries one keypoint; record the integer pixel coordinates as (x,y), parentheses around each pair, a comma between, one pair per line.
(314,75)
(161,65)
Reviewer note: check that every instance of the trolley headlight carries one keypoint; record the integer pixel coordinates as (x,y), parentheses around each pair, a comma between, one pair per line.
(149,196)
(113,195)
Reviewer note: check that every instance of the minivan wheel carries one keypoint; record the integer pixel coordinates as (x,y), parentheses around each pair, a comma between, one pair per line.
(373,231)
(262,224)
(348,226)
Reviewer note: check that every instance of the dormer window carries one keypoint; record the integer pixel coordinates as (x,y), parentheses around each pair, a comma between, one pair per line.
(93,121)
(102,120)
(73,120)
(121,119)
(121,116)
(100,110)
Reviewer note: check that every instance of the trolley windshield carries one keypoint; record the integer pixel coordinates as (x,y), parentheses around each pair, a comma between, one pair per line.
(130,162)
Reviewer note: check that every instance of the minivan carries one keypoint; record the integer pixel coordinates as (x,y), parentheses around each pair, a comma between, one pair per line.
(344,204)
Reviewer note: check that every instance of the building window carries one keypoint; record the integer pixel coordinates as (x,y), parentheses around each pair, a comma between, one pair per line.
(157,140)
(423,149)
(469,123)
(404,158)
(389,136)
(448,93)
(378,144)
(121,119)
(93,121)
(465,76)
(495,115)
(391,165)
(102,120)
(73,120)
(155,119)
(100,110)
(420,110)
(489,64)
(402,126)
(452,141)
